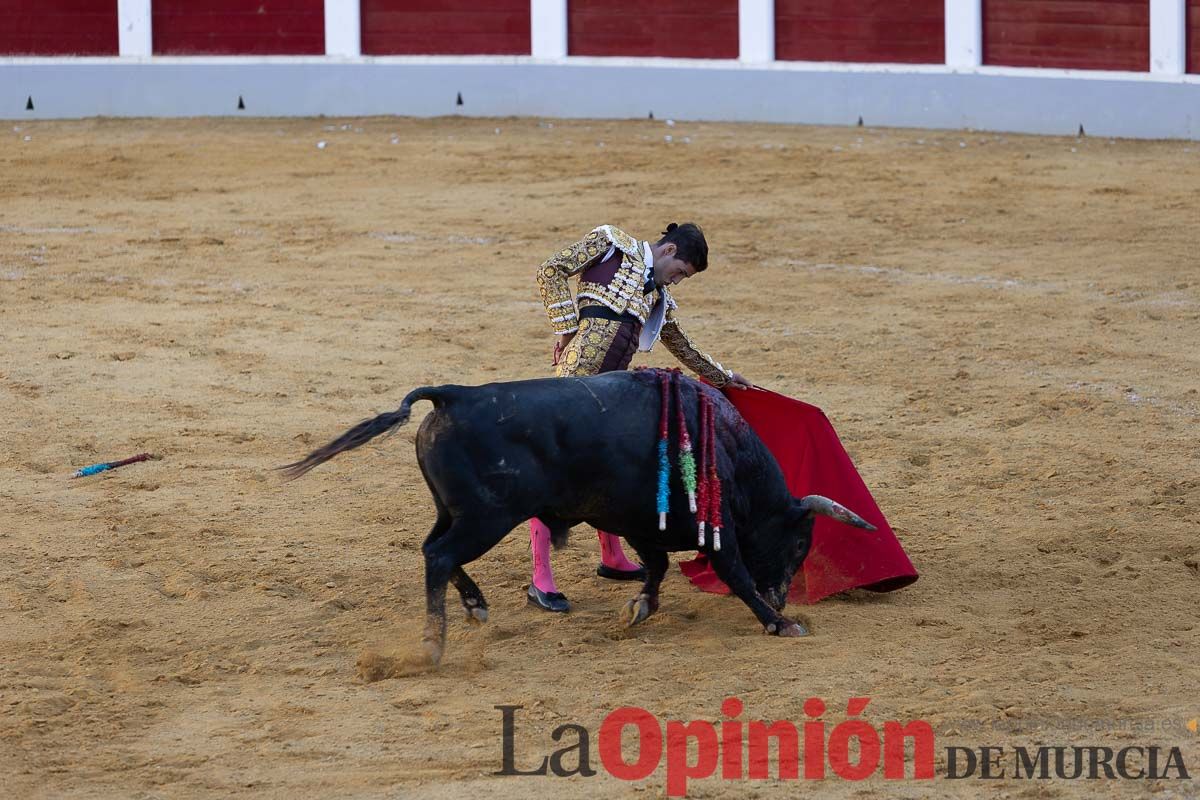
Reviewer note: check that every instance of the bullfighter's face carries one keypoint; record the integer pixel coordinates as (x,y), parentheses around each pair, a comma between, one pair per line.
(669,269)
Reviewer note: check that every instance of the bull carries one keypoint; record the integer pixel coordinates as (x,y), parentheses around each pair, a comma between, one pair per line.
(571,450)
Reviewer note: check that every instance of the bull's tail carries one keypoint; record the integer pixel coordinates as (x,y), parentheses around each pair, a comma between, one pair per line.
(817,504)
(363,432)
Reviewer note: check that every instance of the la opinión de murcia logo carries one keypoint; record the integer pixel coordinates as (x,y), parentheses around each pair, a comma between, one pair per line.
(853,750)
(737,749)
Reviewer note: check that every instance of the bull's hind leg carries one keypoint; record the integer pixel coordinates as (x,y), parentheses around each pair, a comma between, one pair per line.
(646,603)
(472,598)
(730,568)
(466,540)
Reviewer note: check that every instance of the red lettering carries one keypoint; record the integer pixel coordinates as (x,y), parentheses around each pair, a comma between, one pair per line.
(839,750)
(731,740)
(650,743)
(787,749)
(894,735)
(814,740)
(868,744)
(679,771)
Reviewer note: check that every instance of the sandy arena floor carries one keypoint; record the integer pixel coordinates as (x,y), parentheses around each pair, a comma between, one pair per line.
(1003,329)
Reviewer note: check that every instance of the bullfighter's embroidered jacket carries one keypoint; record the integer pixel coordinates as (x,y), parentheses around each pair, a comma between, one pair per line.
(624,293)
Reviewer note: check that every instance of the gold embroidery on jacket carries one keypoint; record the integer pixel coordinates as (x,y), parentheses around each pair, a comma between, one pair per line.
(682,347)
(623,295)
(585,354)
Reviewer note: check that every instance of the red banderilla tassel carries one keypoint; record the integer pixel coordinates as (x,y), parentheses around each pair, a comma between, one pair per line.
(701,466)
(714,491)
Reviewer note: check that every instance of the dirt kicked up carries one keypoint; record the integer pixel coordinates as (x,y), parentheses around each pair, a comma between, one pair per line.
(1003,329)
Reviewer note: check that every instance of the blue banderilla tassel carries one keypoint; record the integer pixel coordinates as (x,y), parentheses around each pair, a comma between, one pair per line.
(107,465)
(664,489)
(664,461)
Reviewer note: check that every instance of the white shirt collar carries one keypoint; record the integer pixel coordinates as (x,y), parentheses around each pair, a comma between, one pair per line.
(648,260)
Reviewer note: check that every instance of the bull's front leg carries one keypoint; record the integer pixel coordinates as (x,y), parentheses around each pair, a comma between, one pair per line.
(730,568)
(646,603)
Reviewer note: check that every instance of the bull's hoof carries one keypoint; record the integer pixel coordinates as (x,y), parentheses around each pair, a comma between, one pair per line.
(788,629)
(477,612)
(638,609)
(433,651)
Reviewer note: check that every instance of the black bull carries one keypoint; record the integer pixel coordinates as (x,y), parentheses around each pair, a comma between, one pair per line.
(571,450)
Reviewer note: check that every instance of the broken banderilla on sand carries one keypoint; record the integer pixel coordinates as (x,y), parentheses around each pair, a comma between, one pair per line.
(107,465)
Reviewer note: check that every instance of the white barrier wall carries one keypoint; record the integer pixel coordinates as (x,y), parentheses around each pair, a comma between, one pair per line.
(1163,102)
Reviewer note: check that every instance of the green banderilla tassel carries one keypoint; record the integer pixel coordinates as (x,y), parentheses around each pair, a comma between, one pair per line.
(687,467)
(687,462)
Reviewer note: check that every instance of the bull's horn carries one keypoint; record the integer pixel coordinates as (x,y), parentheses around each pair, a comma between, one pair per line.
(817,504)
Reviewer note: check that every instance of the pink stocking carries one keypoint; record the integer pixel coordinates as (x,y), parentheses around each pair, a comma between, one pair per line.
(611,554)
(539,544)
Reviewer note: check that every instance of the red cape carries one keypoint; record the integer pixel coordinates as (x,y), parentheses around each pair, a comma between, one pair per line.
(814,462)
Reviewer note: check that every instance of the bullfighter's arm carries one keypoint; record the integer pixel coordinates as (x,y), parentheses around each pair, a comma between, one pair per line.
(696,360)
(553,274)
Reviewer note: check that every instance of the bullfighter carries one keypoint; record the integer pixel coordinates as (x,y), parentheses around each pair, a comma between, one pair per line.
(622,305)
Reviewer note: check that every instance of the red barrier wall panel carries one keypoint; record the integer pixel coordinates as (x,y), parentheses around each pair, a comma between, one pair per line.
(871,31)
(445,27)
(1071,34)
(58,28)
(1193,34)
(238,27)
(654,28)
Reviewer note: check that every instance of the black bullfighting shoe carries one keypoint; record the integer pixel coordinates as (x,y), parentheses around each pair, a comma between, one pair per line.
(548,601)
(614,574)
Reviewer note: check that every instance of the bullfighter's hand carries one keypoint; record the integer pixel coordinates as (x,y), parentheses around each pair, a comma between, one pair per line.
(560,347)
(737,381)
